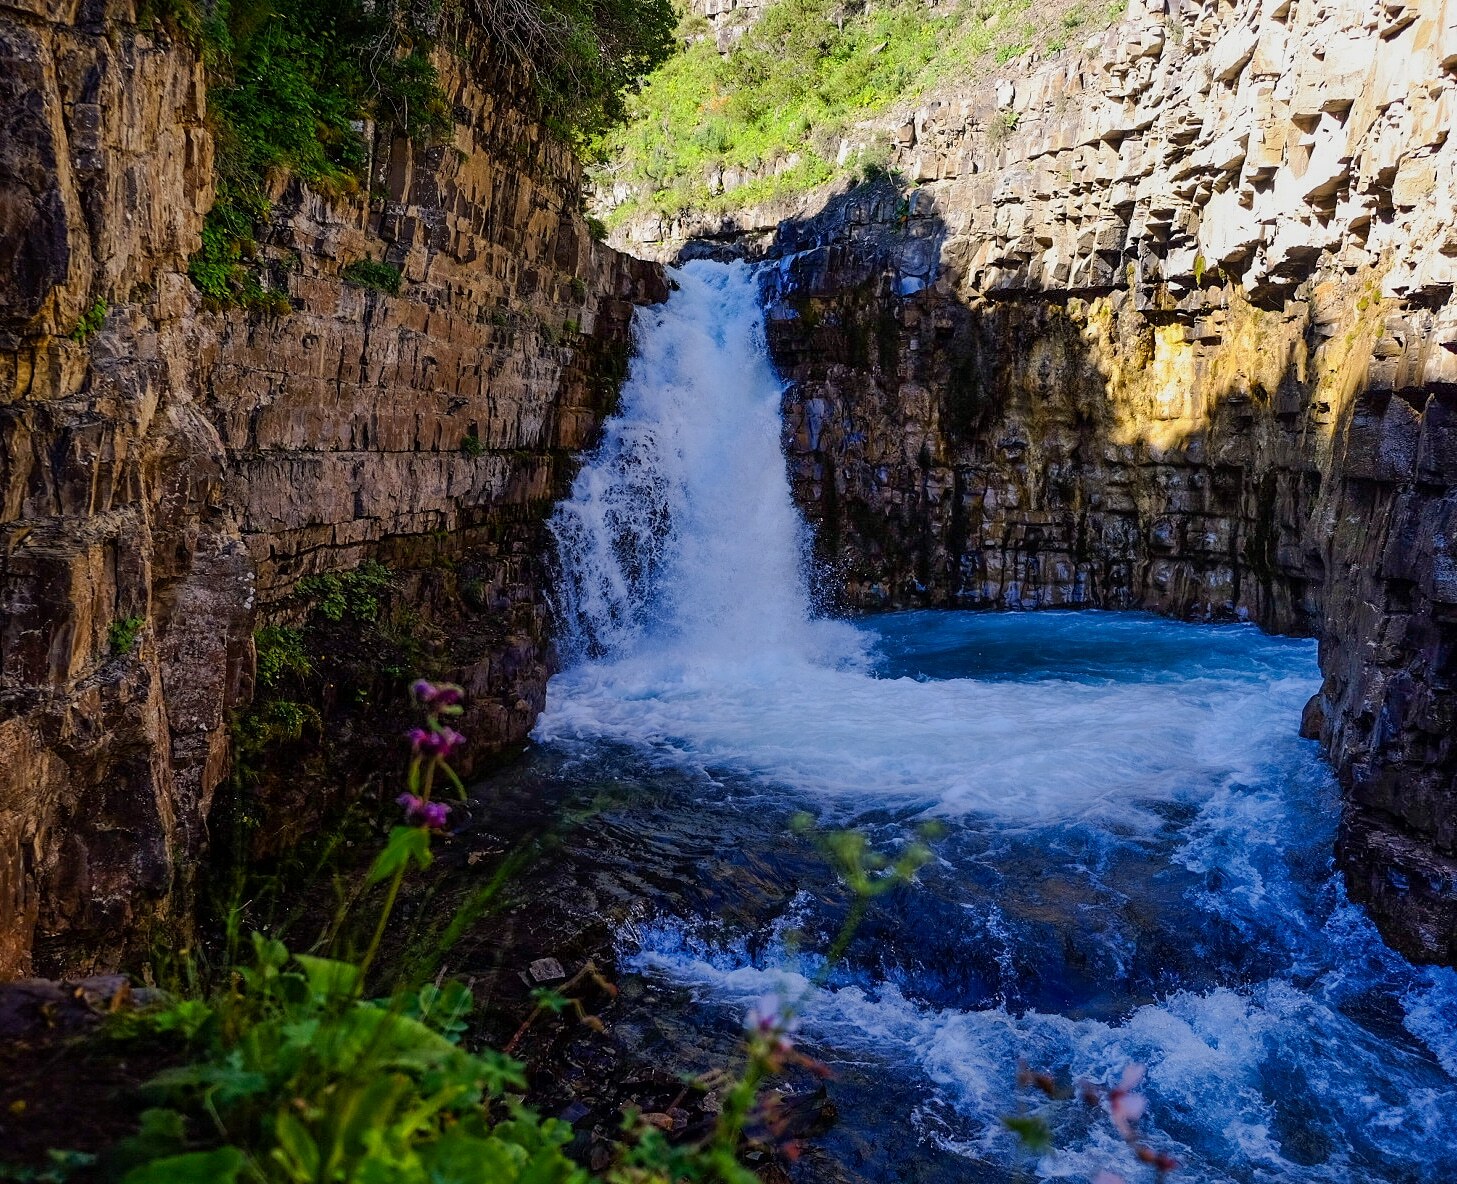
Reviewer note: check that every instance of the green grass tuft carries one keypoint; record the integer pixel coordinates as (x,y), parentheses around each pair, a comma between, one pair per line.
(366,273)
(122,636)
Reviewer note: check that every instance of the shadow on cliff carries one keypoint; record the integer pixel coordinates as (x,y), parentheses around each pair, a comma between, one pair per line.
(960,435)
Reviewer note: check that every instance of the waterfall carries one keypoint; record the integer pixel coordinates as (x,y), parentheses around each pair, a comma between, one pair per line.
(680,533)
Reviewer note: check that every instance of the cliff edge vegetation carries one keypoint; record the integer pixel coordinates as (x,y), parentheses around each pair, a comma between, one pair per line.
(297,86)
(754,109)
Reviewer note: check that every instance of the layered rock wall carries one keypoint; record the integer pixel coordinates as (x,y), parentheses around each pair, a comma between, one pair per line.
(1167,322)
(174,471)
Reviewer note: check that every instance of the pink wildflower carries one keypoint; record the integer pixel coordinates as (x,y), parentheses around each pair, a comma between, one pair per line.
(771,1019)
(435,697)
(439,742)
(419,812)
(1125,1107)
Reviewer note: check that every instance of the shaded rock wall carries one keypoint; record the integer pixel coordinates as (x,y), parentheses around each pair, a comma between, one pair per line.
(186,467)
(1168,323)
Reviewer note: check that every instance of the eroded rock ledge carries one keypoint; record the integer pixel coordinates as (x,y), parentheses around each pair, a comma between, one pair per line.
(1167,323)
(184,468)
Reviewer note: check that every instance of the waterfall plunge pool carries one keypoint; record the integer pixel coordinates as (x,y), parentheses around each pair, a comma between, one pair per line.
(1136,868)
(1136,860)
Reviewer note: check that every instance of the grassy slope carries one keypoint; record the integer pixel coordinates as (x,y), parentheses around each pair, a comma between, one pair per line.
(799,78)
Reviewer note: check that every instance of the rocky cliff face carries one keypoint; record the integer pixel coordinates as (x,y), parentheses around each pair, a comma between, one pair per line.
(168,473)
(1167,322)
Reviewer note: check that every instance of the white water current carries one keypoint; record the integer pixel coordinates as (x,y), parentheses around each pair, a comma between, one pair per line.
(1139,861)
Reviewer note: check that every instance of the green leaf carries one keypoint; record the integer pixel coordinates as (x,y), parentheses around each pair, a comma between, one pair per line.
(297,1153)
(549,1000)
(187,1016)
(360,1109)
(329,978)
(228,1082)
(406,844)
(500,1072)
(198,1167)
(454,779)
(269,953)
(162,1125)
(1032,1130)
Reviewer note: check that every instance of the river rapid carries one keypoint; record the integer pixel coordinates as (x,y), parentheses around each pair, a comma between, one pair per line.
(1134,861)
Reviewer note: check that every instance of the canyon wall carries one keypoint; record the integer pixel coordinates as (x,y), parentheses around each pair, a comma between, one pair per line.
(1164,322)
(168,473)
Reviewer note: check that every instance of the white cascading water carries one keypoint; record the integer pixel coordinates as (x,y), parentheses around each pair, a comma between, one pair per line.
(680,532)
(688,628)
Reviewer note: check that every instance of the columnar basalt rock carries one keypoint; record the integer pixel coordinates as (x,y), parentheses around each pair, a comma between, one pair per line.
(180,468)
(1166,322)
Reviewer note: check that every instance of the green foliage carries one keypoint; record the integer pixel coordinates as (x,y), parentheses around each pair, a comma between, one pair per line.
(585,56)
(292,82)
(471,445)
(277,716)
(794,83)
(91,320)
(366,273)
(335,595)
(293,1077)
(272,722)
(122,636)
(407,845)
(222,267)
(280,653)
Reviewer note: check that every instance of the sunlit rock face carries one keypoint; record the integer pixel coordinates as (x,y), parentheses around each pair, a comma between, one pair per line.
(1167,322)
(185,467)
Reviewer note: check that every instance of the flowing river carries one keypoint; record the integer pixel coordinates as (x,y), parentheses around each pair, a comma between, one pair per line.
(1135,864)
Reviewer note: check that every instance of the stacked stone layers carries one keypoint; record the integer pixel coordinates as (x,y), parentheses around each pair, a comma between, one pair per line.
(1168,322)
(186,467)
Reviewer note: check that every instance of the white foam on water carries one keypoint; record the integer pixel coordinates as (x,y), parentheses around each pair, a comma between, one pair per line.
(1208,1057)
(1027,752)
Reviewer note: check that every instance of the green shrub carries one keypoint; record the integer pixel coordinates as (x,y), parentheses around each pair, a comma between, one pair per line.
(91,320)
(280,654)
(122,636)
(366,273)
(334,595)
(586,57)
(471,445)
(271,722)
